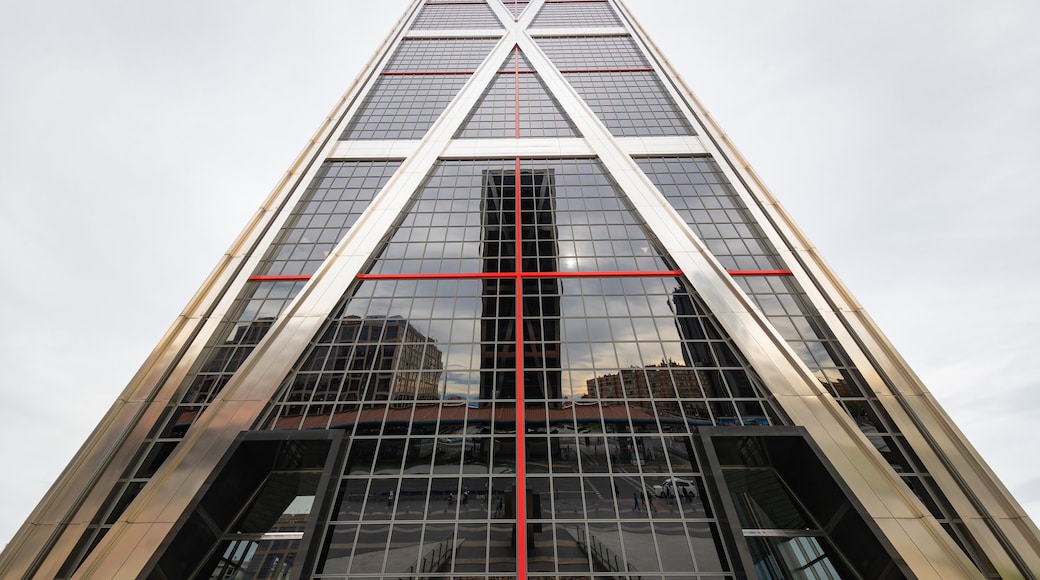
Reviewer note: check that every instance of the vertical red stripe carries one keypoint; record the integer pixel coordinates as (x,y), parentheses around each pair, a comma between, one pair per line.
(521,428)
(521,450)
(516,62)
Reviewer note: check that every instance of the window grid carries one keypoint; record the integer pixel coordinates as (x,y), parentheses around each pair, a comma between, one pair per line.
(593,52)
(596,231)
(329,207)
(637,424)
(631,104)
(540,114)
(698,189)
(516,7)
(789,311)
(253,314)
(440,54)
(456,16)
(403,107)
(576,15)
(445,485)
(636,348)
(429,342)
(333,202)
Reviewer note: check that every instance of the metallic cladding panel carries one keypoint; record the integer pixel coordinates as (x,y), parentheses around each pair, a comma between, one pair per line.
(120,559)
(65,544)
(21,559)
(928,559)
(80,499)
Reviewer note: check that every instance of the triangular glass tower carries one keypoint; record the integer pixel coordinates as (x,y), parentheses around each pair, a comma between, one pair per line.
(520,311)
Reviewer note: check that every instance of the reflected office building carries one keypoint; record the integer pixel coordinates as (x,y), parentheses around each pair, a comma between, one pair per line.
(538,322)
(522,312)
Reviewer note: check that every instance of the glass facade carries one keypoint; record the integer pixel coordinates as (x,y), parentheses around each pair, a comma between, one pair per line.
(520,347)
(572,15)
(449,15)
(517,103)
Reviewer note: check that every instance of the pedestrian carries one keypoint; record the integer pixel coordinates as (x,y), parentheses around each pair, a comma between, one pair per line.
(635,501)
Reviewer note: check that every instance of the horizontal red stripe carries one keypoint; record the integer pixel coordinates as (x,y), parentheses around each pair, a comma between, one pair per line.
(418,276)
(490,275)
(620,274)
(596,274)
(523,72)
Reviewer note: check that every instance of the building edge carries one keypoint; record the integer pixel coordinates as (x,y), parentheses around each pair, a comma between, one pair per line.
(996,513)
(41,543)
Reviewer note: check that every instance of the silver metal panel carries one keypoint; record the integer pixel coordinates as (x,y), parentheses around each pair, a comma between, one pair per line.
(676,145)
(128,550)
(19,555)
(527,147)
(134,559)
(926,558)
(61,502)
(105,455)
(373,149)
(266,219)
(65,544)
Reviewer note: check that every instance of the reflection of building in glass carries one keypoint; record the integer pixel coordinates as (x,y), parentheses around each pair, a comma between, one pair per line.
(540,296)
(521,195)
(371,351)
(370,359)
(665,383)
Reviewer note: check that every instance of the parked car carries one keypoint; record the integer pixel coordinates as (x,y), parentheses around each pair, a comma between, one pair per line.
(675,487)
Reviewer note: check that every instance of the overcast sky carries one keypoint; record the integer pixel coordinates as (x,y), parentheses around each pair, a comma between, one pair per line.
(137,138)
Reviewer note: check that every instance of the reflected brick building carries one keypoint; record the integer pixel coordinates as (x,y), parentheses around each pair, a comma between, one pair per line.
(667,383)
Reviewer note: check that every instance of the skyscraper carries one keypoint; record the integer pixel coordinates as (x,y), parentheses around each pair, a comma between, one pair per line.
(268,434)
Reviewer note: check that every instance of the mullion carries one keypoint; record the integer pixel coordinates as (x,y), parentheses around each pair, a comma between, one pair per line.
(521,448)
